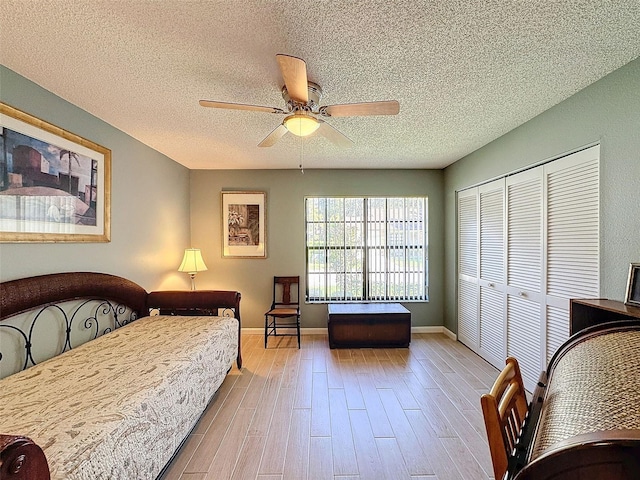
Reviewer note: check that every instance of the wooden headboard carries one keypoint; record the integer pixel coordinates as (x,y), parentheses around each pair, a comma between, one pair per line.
(25,294)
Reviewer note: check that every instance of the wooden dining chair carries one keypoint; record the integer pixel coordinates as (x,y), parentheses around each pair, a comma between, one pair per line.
(505,412)
(284,313)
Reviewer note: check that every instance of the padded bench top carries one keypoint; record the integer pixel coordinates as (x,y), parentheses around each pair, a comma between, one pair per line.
(366,308)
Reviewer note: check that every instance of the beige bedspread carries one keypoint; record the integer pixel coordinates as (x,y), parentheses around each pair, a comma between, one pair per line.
(119,406)
(595,386)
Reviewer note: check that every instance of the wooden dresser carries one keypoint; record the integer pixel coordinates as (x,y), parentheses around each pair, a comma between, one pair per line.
(594,311)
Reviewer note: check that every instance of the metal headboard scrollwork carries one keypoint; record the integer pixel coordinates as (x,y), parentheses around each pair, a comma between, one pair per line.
(45,315)
(32,337)
(226,312)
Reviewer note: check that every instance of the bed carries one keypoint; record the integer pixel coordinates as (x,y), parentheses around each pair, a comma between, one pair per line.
(110,392)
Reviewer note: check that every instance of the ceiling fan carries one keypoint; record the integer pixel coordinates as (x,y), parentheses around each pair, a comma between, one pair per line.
(303,108)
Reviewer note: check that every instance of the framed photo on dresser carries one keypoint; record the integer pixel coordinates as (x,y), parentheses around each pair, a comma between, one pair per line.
(633,285)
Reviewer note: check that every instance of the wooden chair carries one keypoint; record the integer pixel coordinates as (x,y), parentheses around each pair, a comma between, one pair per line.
(285,309)
(505,412)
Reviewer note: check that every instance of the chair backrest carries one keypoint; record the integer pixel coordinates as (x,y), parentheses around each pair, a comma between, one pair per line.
(286,291)
(505,412)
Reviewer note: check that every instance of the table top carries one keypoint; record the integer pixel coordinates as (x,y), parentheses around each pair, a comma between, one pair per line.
(609,305)
(365,308)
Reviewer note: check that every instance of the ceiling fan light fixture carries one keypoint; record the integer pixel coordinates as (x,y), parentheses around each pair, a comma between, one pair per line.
(301,125)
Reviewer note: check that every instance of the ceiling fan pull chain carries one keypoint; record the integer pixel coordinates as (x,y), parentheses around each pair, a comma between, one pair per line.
(301,155)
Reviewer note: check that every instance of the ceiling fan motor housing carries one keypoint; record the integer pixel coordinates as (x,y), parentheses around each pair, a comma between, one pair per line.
(315,94)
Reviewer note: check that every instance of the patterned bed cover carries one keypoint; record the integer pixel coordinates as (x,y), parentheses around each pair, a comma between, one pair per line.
(119,406)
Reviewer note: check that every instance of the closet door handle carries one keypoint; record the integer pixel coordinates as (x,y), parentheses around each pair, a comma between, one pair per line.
(491,284)
(522,294)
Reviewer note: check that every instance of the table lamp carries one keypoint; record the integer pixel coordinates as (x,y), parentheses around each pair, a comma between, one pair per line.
(192,263)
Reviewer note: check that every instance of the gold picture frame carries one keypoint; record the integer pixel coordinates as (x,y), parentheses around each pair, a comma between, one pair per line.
(55,186)
(244,222)
(633,285)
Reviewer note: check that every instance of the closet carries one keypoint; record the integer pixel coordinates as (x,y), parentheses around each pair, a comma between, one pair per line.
(527,243)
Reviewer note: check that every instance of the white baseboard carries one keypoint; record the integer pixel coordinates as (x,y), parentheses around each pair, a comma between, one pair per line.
(323,331)
(313,331)
(435,329)
(303,331)
(449,334)
(252,331)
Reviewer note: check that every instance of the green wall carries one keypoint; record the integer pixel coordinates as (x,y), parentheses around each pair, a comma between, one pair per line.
(286,190)
(607,112)
(149,208)
(159,207)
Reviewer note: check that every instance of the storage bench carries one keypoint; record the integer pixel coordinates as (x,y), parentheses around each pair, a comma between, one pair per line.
(354,325)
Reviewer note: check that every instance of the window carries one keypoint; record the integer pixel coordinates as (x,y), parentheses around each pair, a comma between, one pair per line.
(366,249)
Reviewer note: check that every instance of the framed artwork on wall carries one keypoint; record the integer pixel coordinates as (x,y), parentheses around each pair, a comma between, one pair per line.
(55,186)
(633,285)
(244,224)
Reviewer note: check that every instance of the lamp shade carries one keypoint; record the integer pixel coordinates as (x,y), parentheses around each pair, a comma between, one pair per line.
(301,125)
(192,261)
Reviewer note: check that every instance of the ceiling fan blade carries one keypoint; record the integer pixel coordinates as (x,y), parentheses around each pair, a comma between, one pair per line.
(274,136)
(294,73)
(333,135)
(389,107)
(240,106)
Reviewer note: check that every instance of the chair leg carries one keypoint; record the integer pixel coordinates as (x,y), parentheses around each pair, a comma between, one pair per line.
(266,329)
(298,326)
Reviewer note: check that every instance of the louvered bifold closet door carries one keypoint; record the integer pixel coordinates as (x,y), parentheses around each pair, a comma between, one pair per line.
(526,245)
(573,239)
(468,320)
(524,269)
(492,282)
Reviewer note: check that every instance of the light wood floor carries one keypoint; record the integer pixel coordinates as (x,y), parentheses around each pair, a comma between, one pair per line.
(365,414)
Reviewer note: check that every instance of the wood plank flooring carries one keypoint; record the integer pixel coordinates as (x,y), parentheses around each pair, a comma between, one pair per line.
(348,414)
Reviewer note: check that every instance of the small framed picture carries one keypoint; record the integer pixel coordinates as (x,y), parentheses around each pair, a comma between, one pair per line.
(244,224)
(633,285)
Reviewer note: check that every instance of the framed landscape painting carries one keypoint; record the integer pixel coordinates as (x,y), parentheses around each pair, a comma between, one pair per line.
(55,186)
(244,225)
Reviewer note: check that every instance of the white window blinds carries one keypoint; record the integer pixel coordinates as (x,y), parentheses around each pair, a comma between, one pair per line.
(366,249)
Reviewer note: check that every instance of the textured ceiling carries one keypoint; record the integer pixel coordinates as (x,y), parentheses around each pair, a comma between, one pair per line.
(464,72)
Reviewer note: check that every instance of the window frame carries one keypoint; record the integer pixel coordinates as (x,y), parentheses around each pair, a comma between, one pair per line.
(365,247)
